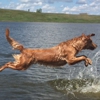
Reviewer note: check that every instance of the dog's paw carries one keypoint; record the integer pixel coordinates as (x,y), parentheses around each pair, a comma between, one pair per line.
(88,62)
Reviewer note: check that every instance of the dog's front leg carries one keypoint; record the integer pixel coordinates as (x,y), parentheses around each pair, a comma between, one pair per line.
(74,60)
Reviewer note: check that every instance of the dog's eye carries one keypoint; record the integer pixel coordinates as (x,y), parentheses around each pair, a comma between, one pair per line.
(90,41)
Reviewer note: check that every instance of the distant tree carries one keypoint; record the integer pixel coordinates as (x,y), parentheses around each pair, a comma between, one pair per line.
(39,10)
(28,10)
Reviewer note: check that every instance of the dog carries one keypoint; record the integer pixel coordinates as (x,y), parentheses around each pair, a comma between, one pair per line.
(56,56)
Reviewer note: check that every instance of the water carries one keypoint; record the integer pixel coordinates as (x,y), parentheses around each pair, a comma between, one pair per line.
(75,82)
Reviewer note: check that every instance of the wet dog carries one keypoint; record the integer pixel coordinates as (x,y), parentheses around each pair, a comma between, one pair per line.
(59,55)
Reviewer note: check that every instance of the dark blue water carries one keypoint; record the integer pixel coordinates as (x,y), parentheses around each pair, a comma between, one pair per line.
(46,83)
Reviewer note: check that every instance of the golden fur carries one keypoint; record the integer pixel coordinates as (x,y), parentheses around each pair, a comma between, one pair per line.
(59,55)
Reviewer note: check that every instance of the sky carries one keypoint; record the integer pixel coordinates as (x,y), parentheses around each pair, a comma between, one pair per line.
(91,7)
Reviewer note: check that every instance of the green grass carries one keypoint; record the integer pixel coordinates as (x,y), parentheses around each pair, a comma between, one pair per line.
(25,16)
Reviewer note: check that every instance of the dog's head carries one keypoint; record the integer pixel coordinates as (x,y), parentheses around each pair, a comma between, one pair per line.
(89,44)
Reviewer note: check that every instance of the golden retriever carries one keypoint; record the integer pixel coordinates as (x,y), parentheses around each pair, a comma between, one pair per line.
(59,55)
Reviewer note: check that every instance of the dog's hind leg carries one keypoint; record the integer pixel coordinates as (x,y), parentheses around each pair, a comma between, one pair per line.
(11,65)
(12,42)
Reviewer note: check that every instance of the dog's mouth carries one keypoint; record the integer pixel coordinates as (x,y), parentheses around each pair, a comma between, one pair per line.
(92,48)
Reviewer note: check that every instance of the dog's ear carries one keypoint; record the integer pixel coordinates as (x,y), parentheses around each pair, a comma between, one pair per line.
(91,35)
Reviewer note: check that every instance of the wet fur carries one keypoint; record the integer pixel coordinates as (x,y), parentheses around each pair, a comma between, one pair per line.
(59,55)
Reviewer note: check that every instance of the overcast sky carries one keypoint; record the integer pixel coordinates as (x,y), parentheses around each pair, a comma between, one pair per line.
(54,6)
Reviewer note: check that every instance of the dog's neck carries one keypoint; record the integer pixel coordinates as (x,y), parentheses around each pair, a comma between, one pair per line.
(77,43)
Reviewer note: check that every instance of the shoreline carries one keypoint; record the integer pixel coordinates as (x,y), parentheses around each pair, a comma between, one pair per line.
(25,16)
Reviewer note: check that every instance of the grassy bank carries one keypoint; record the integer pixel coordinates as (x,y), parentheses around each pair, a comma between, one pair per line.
(25,16)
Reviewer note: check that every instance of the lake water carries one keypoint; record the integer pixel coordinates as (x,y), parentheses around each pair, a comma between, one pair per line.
(39,82)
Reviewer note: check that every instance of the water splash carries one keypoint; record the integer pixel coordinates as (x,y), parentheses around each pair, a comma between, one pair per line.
(84,80)
(91,70)
(93,73)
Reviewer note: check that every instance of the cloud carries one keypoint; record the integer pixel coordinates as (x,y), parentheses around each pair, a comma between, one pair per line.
(95,7)
(77,9)
(93,4)
(72,10)
(26,1)
(45,1)
(23,6)
(56,6)
(37,3)
(29,4)
(62,6)
(59,1)
(92,8)
(48,8)
(81,2)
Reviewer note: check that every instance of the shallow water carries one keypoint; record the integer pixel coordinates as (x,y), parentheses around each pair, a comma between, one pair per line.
(75,82)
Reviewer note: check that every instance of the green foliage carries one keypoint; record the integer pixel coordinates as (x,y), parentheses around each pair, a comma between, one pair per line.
(39,10)
(26,16)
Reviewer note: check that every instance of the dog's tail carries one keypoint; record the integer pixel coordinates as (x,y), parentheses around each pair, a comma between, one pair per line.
(12,42)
